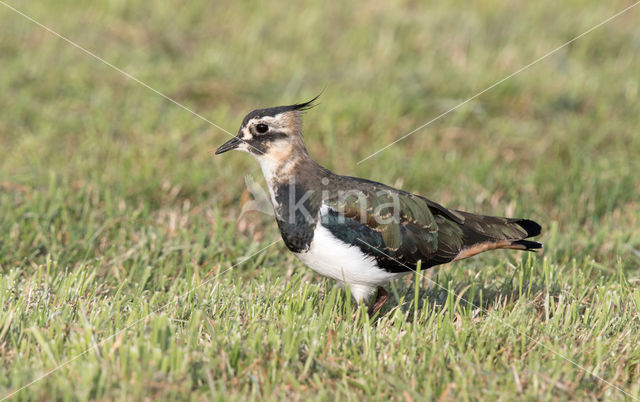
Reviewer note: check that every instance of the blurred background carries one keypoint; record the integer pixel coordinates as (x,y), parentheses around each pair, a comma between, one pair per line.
(559,141)
(95,168)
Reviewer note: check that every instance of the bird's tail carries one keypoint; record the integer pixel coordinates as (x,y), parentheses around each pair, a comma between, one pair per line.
(482,233)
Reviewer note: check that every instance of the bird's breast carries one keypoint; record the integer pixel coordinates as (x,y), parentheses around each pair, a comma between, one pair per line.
(296,214)
(329,256)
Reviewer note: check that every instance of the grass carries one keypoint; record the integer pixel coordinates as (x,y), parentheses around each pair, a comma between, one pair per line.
(119,227)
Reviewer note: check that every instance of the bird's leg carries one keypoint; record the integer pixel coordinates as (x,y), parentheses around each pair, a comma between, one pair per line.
(381,299)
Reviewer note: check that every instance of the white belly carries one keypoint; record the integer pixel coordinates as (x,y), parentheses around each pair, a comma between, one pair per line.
(331,257)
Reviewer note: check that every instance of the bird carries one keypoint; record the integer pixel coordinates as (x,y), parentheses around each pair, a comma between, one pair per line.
(359,232)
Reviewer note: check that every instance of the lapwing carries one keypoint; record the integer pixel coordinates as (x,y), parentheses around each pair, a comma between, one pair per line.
(356,231)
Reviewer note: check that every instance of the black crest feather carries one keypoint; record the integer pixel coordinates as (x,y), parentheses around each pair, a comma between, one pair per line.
(306,105)
(272,111)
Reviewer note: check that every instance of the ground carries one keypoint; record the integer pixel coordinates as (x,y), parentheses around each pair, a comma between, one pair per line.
(123,265)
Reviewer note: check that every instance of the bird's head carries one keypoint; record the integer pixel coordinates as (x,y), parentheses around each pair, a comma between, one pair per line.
(274,133)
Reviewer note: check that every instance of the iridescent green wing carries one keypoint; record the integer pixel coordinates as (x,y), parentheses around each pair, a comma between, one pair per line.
(398,224)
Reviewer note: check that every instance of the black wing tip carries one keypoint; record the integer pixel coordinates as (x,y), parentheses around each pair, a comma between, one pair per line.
(532,228)
(528,245)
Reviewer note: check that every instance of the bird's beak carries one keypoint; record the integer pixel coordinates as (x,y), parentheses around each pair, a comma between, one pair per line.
(229,145)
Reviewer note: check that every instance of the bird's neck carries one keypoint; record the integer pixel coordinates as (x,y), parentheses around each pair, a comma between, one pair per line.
(293,169)
(282,162)
(275,170)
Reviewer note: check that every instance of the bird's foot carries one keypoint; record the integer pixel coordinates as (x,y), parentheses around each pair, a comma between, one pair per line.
(381,299)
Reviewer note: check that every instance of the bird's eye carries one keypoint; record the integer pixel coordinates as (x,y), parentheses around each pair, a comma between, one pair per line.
(262,128)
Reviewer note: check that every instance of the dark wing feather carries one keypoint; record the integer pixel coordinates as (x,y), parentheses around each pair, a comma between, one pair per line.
(396,227)
(400,229)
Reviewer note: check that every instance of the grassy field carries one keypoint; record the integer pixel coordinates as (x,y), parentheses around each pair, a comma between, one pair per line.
(123,265)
